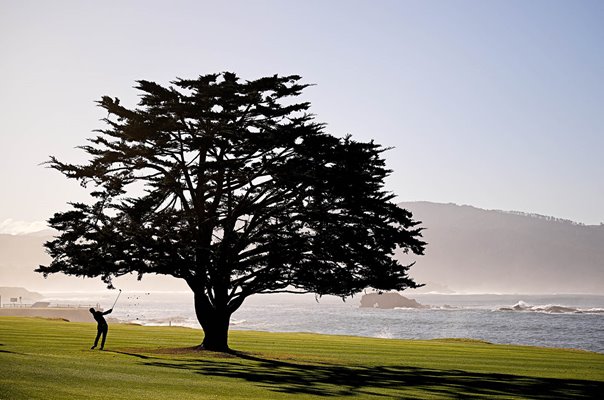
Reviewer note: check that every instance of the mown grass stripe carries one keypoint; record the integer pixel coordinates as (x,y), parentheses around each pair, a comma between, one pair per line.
(49,359)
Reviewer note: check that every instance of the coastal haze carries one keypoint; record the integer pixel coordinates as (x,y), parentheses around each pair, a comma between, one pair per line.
(470,250)
(21,254)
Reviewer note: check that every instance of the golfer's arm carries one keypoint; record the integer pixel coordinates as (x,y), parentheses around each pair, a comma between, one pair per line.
(108,311)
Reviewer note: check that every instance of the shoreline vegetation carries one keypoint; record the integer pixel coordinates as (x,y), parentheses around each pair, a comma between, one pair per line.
(50,359)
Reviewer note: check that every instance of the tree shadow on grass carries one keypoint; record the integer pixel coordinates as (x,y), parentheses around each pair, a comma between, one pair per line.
(8,351)
(342,381)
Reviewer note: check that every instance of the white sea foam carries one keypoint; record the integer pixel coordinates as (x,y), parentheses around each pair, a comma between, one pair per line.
(384,333)
(550,308)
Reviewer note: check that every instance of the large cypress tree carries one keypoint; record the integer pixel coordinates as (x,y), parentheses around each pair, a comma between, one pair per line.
(233,187)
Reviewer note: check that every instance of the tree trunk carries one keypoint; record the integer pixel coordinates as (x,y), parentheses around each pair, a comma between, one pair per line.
(214,322)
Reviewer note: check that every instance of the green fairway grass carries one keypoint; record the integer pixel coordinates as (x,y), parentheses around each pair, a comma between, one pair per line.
(51,359)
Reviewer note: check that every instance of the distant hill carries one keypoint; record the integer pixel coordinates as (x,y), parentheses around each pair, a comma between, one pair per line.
(488,251)
(21,254)
(24,295)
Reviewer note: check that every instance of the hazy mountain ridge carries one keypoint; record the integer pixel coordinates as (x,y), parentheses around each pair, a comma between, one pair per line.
(24,295)
(21,254)
(540,216)
(469,250)
(475,250)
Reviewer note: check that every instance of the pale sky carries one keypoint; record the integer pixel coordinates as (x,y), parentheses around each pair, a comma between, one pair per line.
(495,104)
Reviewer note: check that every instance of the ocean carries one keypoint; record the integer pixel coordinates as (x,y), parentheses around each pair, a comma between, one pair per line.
(565,321)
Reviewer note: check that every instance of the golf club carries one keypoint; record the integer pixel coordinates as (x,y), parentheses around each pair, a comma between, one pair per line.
(118,296)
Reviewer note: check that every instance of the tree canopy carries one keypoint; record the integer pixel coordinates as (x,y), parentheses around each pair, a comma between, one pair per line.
(234,187)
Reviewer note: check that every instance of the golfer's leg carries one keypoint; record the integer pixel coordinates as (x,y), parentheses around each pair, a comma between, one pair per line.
(104,337)
(96,340)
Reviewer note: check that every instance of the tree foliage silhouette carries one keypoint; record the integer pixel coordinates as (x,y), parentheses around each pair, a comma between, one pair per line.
(232,186)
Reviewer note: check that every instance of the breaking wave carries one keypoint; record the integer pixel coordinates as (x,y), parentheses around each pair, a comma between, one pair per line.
(551,309)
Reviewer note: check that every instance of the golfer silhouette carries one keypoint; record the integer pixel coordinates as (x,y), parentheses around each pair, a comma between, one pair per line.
(101,328)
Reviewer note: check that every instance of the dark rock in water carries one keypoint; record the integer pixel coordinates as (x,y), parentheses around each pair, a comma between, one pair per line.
(388,300)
